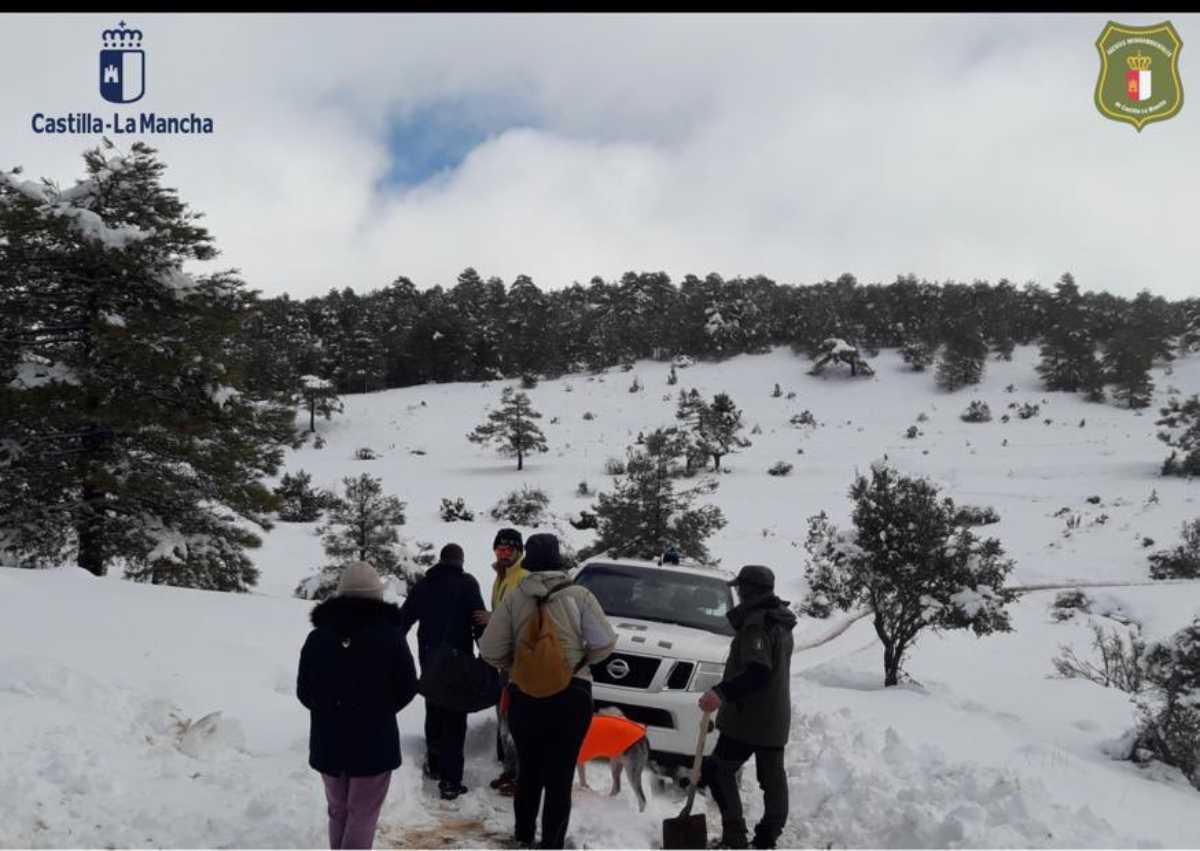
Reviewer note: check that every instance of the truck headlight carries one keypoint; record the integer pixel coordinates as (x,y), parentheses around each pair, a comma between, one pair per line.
(708,674)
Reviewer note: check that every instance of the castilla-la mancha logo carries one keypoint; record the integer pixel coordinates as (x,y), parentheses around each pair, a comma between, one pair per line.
(122,65)
(1139,73)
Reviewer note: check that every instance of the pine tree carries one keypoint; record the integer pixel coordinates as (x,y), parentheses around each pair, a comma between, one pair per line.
(646,512)
(320,397)
(361,526)
(720,423)
(1068,347)
(1127,360)
(837,350)
(909,562)
(125,433)
(299,503)
(1189,340)
(690,410)
(963,356)
(512,428)
(1181,430)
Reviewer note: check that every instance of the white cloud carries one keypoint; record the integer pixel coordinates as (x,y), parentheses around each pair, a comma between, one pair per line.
(796,146)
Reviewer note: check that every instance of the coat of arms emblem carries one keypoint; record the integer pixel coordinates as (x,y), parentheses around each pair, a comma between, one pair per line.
(122,65)
(1139,73)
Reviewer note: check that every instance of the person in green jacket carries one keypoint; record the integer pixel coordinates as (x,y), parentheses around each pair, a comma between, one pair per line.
(754,709)
(509,549)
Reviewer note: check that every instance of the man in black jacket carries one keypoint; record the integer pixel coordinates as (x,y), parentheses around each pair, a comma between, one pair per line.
(754,709)
(444,603)
(356,673)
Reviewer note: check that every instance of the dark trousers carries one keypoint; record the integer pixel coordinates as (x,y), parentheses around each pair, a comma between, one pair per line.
(548,732)
(445,735)
(719,774)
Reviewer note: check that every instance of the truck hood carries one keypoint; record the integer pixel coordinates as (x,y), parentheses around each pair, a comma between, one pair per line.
(652,638)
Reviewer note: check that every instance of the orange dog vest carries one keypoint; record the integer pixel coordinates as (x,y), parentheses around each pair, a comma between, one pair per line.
(609,736)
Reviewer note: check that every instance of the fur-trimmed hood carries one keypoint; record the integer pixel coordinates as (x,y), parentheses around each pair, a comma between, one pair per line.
(347,615)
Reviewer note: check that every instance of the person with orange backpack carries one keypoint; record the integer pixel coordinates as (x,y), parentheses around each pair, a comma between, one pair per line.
(546,633)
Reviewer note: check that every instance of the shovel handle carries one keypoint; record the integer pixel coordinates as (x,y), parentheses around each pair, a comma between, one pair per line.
(696,762)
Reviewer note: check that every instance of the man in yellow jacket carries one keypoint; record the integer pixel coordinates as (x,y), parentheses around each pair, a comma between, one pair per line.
(509,549)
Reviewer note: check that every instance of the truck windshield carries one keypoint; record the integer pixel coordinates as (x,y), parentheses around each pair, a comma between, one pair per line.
(660,594)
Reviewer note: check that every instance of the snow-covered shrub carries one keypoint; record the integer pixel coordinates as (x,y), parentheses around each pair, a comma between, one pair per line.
(1182,562)
(682,361)
(1068,602)
(584,520)
(779,468)
(907,559)
(757,429)
(976,515)
(627,367)
(582,489)
(528,381)
(453,510)
(614,466)
(912,433)
(1028,410)
(588,415)
(1120,664)
(1169,706)
(299,502)
(672,378)
(636,386)
(804,418)
(319,442)
(365,453)
(977,412)
(922,417)
(776,393)
(523,507)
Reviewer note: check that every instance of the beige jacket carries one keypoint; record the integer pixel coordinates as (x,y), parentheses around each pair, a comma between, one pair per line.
(581,624)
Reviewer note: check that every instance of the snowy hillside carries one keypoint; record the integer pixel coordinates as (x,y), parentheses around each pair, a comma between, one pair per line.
(98,678)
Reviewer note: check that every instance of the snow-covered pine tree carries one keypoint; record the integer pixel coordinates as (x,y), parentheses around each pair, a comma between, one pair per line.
(919,354)
(1127,360)
(299,502)
(1189,340)
(1169,707)
(1068,348)
(964,354)
(720,422)
(512,428)
(690,409)
(646,512)
(1181,430)
(361,526)
(837,350)
(908,562)
(320,397)
(125,435)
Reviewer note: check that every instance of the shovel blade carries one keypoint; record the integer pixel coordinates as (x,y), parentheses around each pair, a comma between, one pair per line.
(685,832)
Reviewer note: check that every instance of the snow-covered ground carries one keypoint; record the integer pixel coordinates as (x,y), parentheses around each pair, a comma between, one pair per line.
(99,680)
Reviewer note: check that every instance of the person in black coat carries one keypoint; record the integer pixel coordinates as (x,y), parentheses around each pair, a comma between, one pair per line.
(444,603)
(356,673)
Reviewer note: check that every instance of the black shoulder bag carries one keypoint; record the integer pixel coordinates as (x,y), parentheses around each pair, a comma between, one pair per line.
(456,680)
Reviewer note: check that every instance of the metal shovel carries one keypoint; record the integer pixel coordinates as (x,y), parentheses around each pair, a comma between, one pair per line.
(686,830)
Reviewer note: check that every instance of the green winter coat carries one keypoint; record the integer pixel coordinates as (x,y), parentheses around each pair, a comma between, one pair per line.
(763,717)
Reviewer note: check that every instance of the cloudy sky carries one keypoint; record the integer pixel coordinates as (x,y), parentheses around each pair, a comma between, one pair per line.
(352,149)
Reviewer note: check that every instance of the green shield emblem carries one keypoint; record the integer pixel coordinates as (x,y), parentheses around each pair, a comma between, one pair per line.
(1139,73)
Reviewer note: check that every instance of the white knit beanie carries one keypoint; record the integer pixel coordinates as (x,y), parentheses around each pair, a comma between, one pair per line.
(359,579)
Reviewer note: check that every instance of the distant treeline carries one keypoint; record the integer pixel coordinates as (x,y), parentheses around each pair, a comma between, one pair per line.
(481,329)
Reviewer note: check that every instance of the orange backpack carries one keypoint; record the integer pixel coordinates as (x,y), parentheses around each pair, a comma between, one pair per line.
(540,666)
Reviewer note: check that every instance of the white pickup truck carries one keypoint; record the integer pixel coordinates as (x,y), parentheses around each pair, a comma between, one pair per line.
(672,640)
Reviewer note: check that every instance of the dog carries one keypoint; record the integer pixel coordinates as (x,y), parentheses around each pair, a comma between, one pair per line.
(625,745)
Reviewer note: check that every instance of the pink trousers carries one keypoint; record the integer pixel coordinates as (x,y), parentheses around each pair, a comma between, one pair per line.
(354,805)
